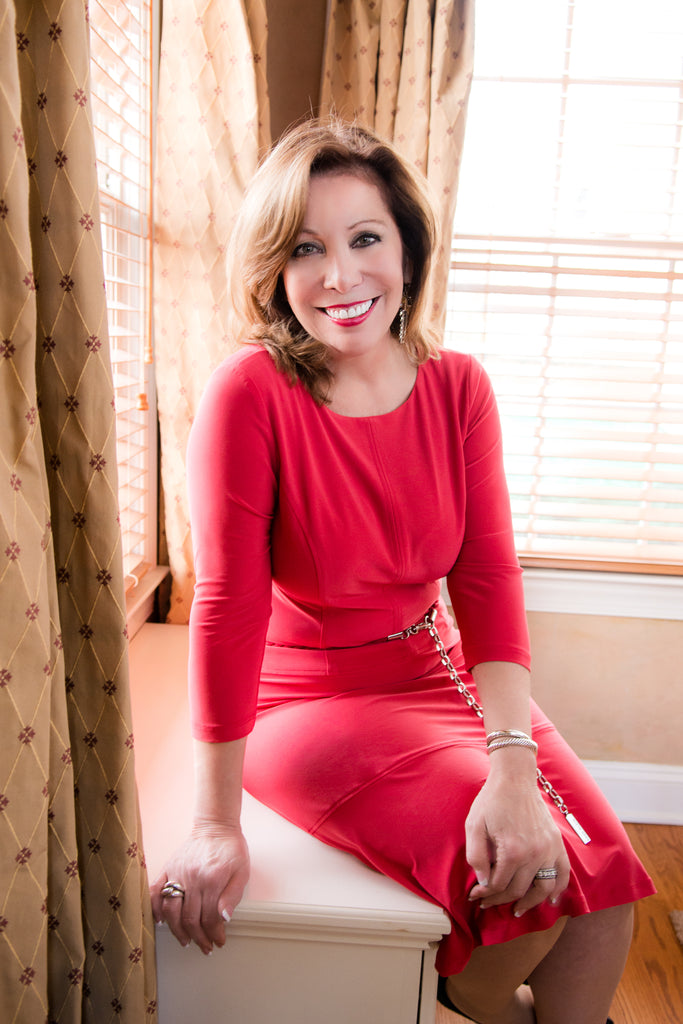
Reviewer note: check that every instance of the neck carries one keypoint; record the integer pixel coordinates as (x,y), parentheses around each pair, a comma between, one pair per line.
(373,384)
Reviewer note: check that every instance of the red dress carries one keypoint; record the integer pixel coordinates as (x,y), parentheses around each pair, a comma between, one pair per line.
(316,536)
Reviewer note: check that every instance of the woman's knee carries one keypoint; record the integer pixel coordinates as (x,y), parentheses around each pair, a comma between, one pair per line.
(510,963)
(611,928)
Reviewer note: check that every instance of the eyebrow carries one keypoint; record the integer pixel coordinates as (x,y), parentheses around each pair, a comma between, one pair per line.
(365,222)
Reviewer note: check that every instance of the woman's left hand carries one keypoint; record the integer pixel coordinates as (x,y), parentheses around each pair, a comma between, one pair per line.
(510,835)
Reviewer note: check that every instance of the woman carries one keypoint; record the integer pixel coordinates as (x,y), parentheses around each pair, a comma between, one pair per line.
(339,466)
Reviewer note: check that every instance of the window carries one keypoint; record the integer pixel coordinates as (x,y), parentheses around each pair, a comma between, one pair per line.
(121,72)
(567,272)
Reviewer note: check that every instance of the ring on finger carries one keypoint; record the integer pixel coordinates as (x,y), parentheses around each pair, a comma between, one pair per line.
(546,874)
(173,890)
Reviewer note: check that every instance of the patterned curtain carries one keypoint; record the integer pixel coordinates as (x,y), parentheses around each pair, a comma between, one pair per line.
(213,125)
(404,68)
(76,942)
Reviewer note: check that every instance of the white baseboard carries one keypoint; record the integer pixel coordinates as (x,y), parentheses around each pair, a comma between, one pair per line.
(647,793)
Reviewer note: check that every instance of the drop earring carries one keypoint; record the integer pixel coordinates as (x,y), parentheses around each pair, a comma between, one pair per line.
(402,320)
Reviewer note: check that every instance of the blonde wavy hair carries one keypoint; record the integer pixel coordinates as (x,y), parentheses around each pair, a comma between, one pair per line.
(268,226)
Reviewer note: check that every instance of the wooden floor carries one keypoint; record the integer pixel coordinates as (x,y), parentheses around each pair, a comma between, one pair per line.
(651,990)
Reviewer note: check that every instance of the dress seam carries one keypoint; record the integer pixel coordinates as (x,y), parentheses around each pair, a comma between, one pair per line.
(391,503)
(314,561)
(414,756)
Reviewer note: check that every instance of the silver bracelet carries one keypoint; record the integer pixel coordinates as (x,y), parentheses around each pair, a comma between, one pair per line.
(513,741)
(510,738)
(502,734)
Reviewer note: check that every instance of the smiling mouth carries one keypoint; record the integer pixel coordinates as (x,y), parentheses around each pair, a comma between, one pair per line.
(358,309)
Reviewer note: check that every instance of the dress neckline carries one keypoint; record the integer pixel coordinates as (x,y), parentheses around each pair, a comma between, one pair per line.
(380,415)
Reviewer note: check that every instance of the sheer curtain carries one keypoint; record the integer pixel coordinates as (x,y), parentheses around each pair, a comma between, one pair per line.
(76,939)
(403,67)
(213,125)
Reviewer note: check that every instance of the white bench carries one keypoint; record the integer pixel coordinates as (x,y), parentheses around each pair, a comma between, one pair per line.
(318,937)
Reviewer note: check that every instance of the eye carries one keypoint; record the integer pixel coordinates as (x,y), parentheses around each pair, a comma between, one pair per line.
(305,249)
(364,239)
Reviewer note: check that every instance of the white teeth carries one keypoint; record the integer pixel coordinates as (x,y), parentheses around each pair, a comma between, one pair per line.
(348,312)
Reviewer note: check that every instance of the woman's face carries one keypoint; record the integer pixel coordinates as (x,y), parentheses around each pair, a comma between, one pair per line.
(344,279)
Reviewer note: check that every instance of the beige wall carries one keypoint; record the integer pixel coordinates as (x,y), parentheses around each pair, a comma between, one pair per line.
(612,686)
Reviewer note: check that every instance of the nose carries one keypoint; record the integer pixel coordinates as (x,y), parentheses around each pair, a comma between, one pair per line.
(341,271)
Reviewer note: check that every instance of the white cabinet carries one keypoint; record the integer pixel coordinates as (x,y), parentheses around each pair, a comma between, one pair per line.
(318,937)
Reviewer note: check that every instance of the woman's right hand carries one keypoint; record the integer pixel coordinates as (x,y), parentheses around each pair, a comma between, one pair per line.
(212,866)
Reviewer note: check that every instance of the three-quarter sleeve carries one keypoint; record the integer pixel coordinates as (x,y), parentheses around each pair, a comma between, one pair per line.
(232,484)
(485,584)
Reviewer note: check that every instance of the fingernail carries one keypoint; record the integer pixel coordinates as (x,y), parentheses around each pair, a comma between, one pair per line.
(482,879)
(518,913)
(226,917)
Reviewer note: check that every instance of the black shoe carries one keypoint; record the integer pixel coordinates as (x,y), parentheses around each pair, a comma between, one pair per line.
(443,998)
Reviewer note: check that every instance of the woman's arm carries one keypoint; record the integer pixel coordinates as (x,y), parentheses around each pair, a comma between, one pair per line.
(510,833)
(232,489)
(212,866)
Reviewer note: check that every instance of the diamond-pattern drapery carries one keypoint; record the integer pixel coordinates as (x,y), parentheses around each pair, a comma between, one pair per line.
(76,942)
(403,67)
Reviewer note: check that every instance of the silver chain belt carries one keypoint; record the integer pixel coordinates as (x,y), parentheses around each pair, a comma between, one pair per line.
(429,624)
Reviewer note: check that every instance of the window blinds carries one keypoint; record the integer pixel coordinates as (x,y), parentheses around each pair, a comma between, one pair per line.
(567,273)
(121,98)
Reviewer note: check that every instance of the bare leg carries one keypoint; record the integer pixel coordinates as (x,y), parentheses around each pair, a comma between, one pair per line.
(573,970)
(502,1001)
(577,980)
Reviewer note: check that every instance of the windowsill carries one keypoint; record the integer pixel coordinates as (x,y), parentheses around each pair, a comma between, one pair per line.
(140,598)
(627,595)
